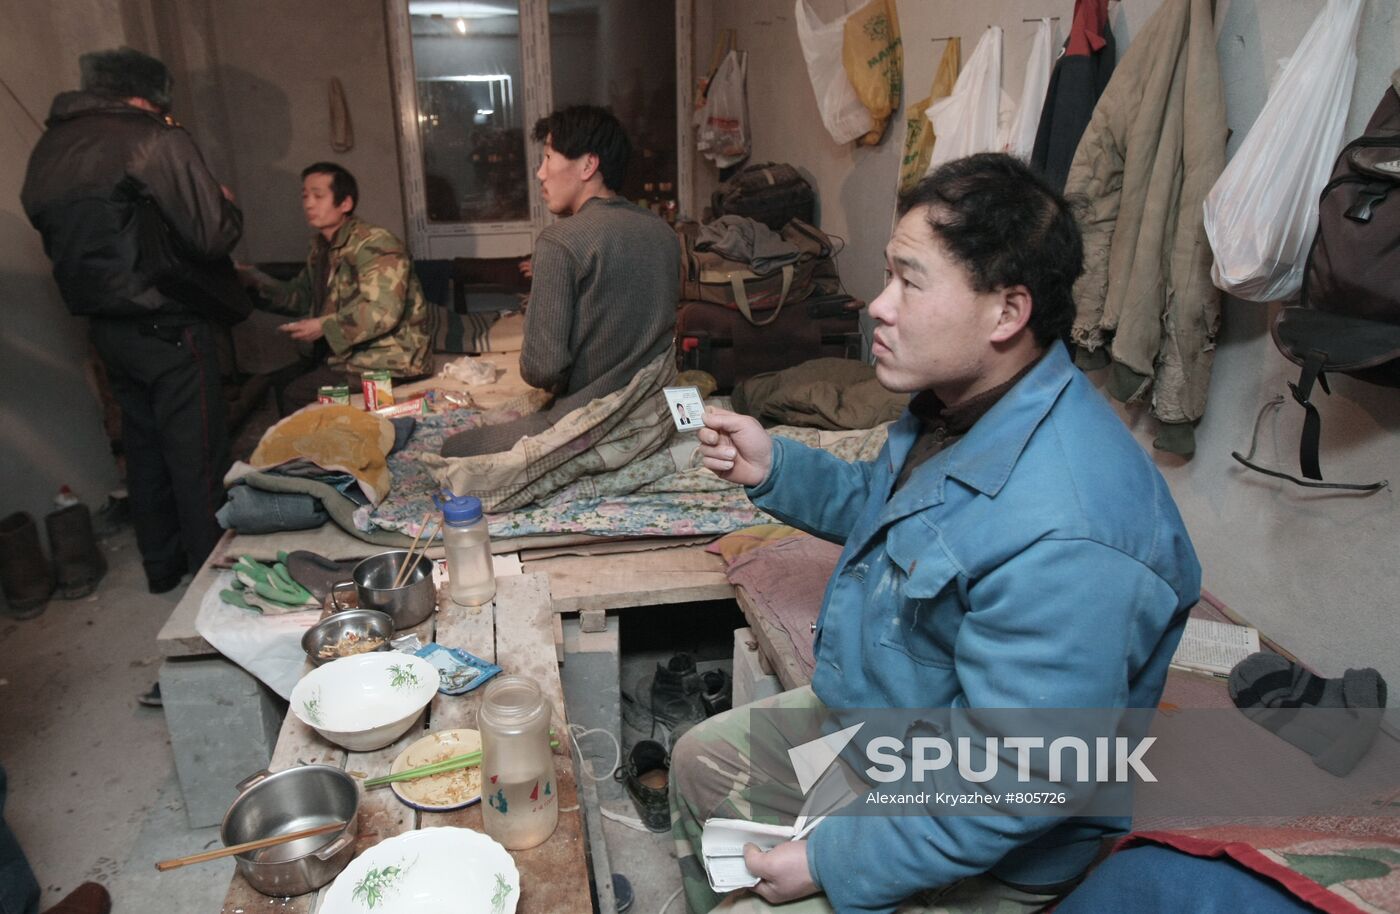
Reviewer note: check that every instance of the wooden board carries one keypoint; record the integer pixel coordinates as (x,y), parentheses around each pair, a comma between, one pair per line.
(684,575)
(554,875)
(774,642)
(177,637)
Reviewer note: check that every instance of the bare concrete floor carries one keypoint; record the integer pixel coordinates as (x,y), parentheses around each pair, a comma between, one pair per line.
(92,794)
(92,788)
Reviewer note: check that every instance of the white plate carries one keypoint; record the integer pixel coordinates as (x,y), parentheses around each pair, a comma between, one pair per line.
(429,871)
(441,792)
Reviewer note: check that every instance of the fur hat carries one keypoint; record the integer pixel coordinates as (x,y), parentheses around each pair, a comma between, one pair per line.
(126,73)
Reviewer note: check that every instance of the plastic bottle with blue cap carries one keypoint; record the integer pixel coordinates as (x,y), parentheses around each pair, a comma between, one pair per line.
(471,578)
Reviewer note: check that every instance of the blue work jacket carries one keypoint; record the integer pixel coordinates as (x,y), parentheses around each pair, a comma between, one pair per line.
(1037,562)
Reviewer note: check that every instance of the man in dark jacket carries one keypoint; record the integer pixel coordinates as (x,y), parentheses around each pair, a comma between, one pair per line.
(139,233)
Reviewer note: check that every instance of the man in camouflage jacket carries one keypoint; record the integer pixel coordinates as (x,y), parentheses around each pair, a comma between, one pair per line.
(357,292)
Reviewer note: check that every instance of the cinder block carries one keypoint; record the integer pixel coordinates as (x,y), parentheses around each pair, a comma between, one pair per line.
(750,681)
(590,677)
(223,726)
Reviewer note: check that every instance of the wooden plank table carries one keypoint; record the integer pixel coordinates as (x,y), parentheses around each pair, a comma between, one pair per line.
(517,636)
(686,574)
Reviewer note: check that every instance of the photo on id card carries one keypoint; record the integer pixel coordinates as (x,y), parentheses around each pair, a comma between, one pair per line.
(687,409)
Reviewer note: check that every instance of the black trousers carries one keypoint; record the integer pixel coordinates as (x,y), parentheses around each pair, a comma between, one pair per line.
(174,433)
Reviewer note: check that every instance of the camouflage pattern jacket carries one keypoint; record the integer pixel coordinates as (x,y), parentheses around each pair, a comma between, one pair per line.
(376,318)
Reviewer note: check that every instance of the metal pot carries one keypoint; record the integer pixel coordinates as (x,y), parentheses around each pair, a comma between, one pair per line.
(367,623)
(288,801)
(373,580)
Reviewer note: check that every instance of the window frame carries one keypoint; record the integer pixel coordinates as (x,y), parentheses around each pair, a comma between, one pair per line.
(446,240)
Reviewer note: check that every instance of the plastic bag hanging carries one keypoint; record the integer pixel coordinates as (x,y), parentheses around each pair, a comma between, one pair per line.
(843,115)
(873,56)
(1020,134)
(919,137)
(1261,214)
(722,125)
(968,120)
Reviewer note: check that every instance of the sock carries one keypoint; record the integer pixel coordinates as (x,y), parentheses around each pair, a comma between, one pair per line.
(1284,698)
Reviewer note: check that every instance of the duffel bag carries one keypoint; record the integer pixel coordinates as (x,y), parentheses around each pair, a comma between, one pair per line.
(709,276)
(771,193)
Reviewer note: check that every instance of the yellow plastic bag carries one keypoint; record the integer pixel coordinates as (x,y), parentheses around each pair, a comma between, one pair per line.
(918,134)
(873,56)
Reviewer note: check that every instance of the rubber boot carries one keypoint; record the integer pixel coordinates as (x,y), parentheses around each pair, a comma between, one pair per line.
(25,575)
(78,563)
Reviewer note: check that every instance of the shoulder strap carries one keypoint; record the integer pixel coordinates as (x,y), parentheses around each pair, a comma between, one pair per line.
(741,298)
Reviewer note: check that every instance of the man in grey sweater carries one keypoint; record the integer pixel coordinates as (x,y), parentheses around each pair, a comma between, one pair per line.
(606,279)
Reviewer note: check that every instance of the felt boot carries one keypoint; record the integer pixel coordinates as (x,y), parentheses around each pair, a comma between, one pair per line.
(78,563)
(25,575)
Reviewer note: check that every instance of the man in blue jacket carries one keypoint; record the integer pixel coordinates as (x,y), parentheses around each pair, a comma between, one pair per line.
(1011,547)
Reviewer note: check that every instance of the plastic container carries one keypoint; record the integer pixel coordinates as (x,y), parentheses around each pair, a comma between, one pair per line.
(471,578)
(517,766)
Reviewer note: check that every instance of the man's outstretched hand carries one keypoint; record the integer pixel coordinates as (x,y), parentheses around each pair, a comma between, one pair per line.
(735,447)
(783,873)
(304,331)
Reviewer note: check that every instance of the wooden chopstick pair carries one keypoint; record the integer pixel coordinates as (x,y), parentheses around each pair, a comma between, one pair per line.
(410,561)
(259,844)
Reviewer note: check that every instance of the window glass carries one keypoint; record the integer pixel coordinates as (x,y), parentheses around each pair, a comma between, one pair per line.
(470,110)
(621,54)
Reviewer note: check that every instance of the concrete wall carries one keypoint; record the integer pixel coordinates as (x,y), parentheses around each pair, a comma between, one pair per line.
(1312,570)
(253,87)
(50,418)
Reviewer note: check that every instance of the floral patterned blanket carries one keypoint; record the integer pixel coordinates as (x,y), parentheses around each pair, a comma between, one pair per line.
(1329,868)
(649,497)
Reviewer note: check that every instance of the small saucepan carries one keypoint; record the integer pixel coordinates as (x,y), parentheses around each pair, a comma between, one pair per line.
(373,580)
(285,802)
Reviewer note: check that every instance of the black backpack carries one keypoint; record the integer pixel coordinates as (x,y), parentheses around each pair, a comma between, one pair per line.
(771,193)
(1348,316)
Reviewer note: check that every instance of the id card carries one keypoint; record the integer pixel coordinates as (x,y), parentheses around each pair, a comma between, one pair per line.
(687,409)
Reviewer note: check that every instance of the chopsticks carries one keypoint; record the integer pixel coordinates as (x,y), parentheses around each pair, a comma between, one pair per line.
(259,844)
(470,760)
(407,568)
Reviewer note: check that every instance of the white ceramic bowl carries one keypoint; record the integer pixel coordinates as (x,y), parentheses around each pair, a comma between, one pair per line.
(429,871)
(367,701)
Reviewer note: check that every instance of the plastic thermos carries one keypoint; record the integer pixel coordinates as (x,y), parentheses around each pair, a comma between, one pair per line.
(471,578)
(517,766)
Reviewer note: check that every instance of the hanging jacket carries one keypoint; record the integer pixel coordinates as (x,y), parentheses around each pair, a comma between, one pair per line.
(1153,149)
(1079,78)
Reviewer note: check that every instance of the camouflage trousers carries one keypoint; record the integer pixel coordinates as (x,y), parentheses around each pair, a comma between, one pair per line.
(714,771)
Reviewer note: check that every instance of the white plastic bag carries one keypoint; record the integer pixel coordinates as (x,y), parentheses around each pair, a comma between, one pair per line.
(1262,212)
(1020,134)
(843,115)
(969,120)
(722,125)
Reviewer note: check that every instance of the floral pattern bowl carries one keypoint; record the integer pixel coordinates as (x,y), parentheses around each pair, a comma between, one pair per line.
(366,701)
(429,871)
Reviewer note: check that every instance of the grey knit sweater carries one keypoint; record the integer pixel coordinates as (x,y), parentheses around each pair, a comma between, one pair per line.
(602,305)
